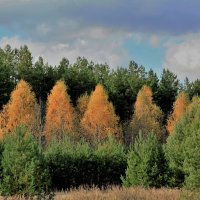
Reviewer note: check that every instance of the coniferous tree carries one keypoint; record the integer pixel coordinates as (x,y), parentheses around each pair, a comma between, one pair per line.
(167,91)
(147,116)
(6,77)
(147,166)
(24,169)
(183,149)
(20,110)
(82,103)
(60,115)
(80,78)
(100,119)
(179,109)
(3,122)
(24,64)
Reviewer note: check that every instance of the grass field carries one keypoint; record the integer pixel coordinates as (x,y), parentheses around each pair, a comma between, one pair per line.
(120,194)
(117,193)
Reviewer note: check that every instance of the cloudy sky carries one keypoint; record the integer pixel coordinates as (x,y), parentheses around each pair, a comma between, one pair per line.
(155,33)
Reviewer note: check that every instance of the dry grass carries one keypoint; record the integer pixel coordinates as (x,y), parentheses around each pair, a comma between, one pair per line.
(117,193)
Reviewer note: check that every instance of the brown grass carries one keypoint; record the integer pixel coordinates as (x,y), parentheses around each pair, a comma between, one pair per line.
(117,193)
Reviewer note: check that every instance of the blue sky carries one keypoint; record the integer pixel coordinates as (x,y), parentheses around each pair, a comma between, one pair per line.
(146,53)
(155,33)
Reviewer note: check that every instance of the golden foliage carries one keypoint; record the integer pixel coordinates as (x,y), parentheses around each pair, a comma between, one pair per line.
(20,110)
(147,115)
(60,115)
(179,109)
(100,119)
(82,103)
(3,122)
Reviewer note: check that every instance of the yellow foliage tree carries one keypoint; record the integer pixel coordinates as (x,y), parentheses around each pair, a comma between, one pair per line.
(3,122)
(100,119)
(20,110)
(179,109)
(147,115)
(82,103)
(60,115)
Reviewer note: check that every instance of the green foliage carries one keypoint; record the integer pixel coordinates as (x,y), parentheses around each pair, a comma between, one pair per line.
(153,82)
(24,64)
(123,85)
(167,91)
(111,162)
(110,147)
(68,163)
(24,169)
(43,79)
(62,68)
(183,148)
(147,166)
(192,88)
(74,164)
(6,79)
(80,78)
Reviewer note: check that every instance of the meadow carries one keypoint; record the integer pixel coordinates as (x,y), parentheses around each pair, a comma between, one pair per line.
(114,193)
(118,193)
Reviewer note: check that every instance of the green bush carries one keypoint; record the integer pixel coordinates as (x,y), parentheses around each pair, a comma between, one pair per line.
(24,170)
(68,163)
(183,149)
(111,162)
(147,166)
(74,164)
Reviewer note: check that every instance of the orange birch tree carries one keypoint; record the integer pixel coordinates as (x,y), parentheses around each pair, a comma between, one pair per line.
(20,109)
(147,115)
(100,119)
(60,115)
(179,108)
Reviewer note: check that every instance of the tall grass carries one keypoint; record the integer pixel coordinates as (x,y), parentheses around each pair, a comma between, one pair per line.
(118,193)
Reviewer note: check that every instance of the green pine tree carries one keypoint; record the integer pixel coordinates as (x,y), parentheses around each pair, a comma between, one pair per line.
(146,163)
(183,149)
(24,170)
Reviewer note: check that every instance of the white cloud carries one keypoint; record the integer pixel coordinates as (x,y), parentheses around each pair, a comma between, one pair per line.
(183,58)
(43,29)
(108,47)
(154,40)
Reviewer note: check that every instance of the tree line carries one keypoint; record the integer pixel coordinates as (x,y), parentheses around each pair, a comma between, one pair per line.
(94,118)
(30,168)
(86,124)
(122,83)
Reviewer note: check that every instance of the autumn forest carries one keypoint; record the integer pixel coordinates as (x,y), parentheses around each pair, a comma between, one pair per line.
(85,124)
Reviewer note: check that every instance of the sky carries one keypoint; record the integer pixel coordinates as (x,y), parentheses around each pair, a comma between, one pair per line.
(154,33)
